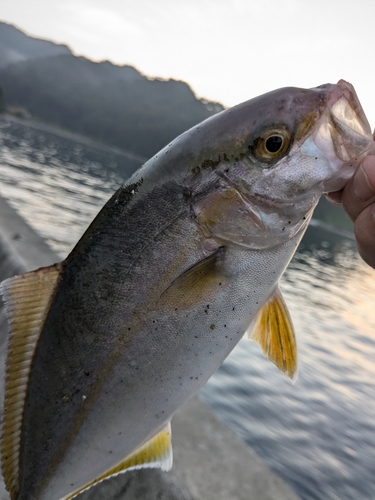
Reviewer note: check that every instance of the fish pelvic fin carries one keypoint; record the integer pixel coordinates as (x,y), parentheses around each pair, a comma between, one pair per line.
(273,330)
(27,300)
(154,453)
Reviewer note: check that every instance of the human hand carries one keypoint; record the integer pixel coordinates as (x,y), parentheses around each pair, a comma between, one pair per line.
(358,200)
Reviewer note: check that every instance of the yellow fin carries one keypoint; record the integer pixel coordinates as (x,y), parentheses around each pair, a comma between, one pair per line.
(196,284)
(273,330)
(27,300)
(156,452)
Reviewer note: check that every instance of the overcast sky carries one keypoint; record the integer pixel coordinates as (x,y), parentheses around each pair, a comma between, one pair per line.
(227,50)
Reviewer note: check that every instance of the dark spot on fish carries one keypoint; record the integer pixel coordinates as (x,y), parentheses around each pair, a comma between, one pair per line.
(212,327)
(196,170)
(233,309)
(210,163)
(283,229)
(87,373)
(288,222)
(126,193)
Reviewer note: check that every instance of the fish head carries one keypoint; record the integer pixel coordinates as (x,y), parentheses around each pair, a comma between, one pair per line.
(291,146)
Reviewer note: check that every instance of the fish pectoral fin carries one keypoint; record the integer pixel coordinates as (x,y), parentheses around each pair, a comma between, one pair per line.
(197,284)
(273,330)
(156,452)
(27,300)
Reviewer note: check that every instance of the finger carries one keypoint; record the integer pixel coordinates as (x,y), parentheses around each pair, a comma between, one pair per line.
(359,192)
(364,230)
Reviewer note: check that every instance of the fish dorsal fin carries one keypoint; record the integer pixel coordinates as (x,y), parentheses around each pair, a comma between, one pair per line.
(156,452)
(273,330)
(27,299)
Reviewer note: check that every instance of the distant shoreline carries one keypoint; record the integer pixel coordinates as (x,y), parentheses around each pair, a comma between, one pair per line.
(51,129)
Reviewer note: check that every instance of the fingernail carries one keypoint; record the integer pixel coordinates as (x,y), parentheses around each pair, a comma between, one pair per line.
(361,185)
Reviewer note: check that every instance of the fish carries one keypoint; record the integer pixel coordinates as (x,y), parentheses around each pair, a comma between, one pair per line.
(182,262)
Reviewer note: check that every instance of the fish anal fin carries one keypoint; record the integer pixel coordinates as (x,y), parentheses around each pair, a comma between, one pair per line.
(27,300)
(273,330)
(156,452)
(195,285)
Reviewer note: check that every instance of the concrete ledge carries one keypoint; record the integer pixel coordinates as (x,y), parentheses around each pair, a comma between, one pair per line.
(210,462)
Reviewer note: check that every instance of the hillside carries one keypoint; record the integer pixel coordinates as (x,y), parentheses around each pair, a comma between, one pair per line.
(16,46)
(116,105)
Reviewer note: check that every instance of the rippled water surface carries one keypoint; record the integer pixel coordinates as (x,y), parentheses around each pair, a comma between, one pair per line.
(318,434)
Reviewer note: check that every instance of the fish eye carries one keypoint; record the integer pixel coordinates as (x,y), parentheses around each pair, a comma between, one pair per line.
(272,143)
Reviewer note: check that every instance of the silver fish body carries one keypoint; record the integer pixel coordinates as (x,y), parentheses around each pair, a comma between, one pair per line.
(167,279)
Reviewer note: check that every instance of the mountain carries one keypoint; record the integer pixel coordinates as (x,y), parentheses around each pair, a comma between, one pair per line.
(116,105)
(16,46)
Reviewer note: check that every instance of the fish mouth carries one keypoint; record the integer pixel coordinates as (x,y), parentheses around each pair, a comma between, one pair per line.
(349,128)
(342,135)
